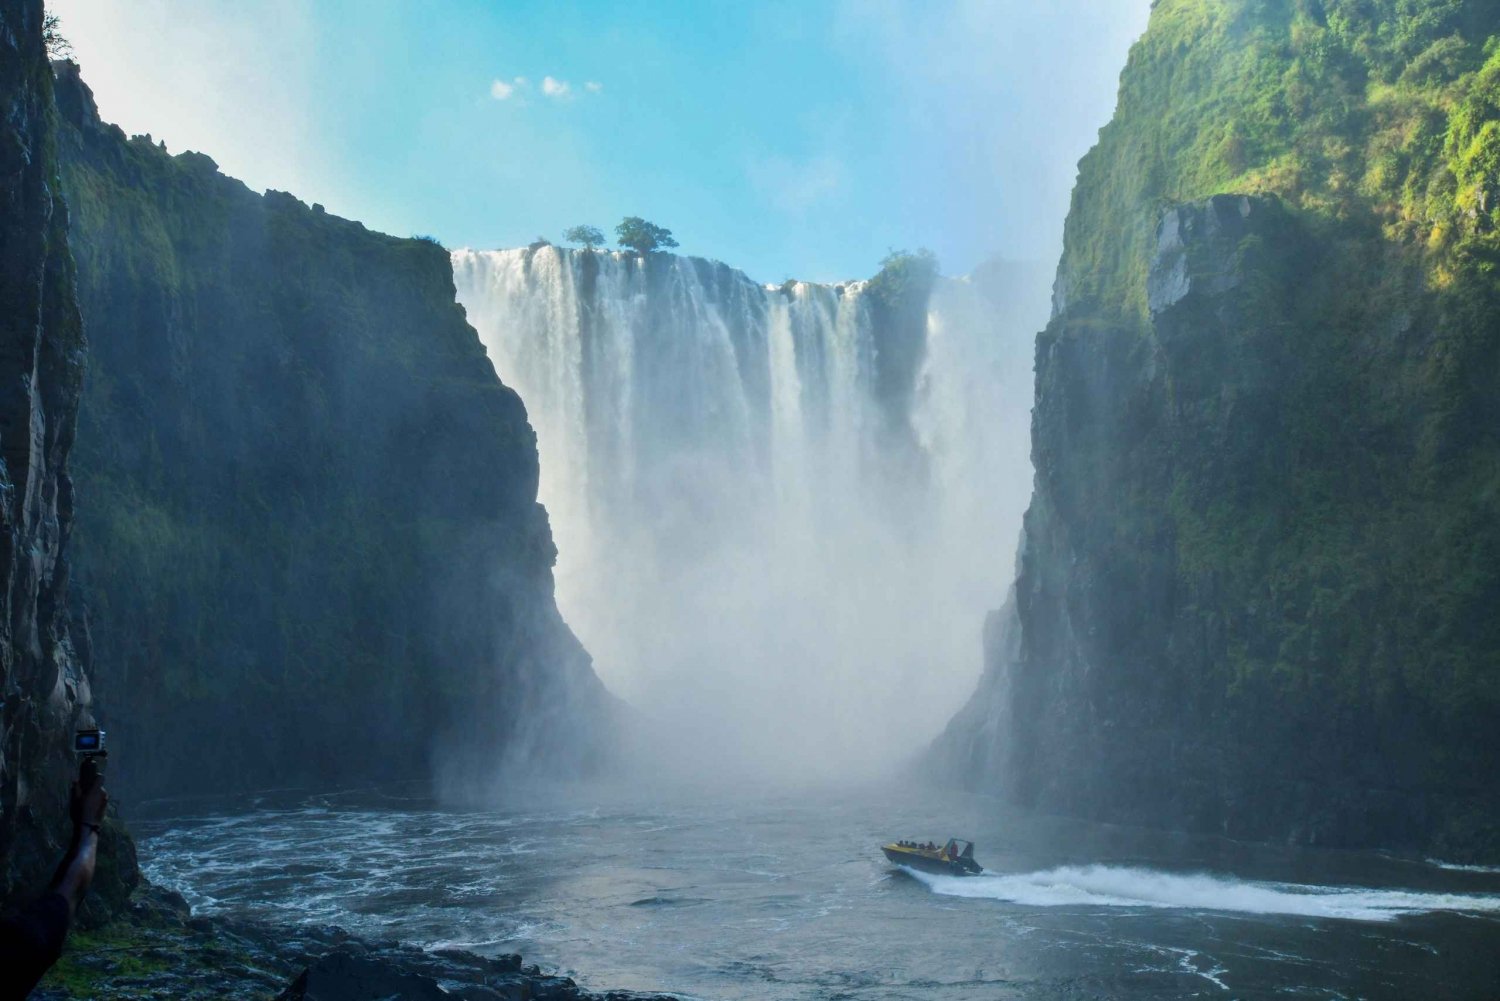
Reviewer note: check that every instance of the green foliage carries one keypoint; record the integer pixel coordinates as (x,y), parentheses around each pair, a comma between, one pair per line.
(588,236)
(1338,107)
(635,233)
(904,275)
(1324,469)
(290,442)
(152,952)
(58,47)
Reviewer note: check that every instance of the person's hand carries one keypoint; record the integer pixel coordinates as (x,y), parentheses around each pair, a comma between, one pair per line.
(87,805)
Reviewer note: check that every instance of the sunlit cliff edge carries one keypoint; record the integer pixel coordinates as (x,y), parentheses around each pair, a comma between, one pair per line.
(1260,569)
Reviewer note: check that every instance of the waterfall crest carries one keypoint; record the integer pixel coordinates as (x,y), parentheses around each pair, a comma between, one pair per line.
(739,547)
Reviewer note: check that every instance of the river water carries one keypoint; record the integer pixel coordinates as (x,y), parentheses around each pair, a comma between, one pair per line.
(766,896)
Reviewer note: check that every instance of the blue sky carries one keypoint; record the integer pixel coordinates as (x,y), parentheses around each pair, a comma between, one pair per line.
(789,139)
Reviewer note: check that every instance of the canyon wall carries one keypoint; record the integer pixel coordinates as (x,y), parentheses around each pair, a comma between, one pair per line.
(308,534)
(44,686)
(1259,574)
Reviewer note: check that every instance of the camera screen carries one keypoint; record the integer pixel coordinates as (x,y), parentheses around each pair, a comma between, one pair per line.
(87,740)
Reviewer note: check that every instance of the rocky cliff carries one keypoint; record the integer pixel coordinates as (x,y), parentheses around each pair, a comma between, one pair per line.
(44,689)
(308,533)
(1259,573)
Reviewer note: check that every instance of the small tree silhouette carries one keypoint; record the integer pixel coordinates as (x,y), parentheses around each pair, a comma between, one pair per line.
(589,236)
(58,47)
(643,237)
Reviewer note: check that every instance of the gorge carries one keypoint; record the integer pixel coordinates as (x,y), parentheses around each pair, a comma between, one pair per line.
(614,606)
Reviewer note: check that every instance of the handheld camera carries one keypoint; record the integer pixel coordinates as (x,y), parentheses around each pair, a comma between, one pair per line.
(89,746)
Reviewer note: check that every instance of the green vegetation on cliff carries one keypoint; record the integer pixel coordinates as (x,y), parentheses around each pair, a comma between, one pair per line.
(1263,556)
(308,522)
(1359,113)
(635,233)
(44,686)
(1378,123)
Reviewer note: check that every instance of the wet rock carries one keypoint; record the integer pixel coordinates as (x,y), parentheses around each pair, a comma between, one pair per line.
(44,691)
(345,976)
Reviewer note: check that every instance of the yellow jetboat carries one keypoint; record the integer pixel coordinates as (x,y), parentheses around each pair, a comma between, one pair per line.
(956,858)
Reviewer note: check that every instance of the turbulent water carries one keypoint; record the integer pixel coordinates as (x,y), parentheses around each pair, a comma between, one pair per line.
(789,898)
(788,578)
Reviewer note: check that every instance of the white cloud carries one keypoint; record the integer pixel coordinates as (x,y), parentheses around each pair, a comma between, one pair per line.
(559,90)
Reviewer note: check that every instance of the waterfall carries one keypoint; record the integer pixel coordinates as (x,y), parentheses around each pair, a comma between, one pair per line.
(735,549)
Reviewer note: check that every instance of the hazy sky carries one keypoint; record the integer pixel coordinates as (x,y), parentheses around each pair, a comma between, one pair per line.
(788,138)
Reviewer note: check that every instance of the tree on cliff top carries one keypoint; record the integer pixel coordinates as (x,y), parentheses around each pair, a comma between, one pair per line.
(643,237)
(589,236)
(58,47)
(904,275)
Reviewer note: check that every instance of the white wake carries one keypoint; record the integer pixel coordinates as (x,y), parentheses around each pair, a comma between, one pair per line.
(1115,886)
(1461,867)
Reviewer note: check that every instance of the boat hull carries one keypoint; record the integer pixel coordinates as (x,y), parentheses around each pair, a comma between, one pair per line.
(914,859)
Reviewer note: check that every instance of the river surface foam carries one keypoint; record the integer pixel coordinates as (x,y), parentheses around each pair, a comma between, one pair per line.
(788,897)
(1114,886)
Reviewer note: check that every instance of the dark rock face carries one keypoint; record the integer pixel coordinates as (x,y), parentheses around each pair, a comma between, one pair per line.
(44,690)
(357,972)
(1197,639)
(158,949)
(308,533)
(1262,561)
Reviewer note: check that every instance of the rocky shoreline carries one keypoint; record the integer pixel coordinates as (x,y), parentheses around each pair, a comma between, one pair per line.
(159,949)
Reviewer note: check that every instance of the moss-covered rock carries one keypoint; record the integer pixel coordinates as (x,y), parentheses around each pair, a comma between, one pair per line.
(309,539)
(158,949)
(1258,588)
(44,687)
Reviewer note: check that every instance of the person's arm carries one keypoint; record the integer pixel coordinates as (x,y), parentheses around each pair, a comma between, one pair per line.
(31,941)
(87,802)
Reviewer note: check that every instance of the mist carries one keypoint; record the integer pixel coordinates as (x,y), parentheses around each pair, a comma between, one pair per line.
(783,587)
(456,589)
(774,591)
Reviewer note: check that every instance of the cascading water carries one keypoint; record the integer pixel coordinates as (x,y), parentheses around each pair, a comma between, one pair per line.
(745,544)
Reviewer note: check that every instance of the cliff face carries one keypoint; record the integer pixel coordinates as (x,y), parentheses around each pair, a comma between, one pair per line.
(44,691)
(308,527)
(1259,574)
